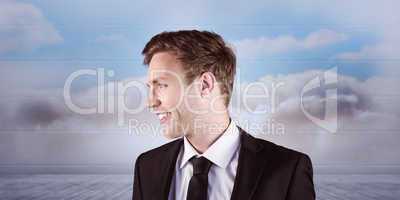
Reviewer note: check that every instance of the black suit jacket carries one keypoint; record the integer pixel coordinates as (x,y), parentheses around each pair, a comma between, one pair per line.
(265,171)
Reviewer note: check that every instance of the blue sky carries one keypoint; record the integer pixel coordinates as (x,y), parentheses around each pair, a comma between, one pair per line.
(94,31)
(43,41)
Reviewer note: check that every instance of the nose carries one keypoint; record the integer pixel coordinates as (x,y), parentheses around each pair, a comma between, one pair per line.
(153,101)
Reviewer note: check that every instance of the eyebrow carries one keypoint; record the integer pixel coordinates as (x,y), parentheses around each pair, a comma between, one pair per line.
(156,80)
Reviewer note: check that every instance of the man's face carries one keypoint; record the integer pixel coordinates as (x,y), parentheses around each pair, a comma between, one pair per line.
(168,93)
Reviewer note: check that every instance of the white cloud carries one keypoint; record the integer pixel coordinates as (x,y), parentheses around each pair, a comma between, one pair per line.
(46,109)
(365,106)
(379,18)
(384,54)
(40,123)
(322,38)
(368,116)
(24,27)
(285,43)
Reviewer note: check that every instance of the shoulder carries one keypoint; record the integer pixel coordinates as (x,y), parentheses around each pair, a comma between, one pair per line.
(282,150)
(281,154)
(160,152)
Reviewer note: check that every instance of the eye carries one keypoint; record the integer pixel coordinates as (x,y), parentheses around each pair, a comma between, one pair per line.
(160,85)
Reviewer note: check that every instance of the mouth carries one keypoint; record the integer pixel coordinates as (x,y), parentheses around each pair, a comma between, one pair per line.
(163,117)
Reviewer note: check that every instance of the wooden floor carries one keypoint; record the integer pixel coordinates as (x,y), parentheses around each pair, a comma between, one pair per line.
(108,187)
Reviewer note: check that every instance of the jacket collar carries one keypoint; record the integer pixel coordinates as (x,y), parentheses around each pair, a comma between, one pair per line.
(167,169)
(251,166)
(249,171)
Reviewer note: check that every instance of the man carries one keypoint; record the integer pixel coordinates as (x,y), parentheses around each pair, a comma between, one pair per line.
(190,80)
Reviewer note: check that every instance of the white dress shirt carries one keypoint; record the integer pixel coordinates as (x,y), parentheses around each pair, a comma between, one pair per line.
(223,153)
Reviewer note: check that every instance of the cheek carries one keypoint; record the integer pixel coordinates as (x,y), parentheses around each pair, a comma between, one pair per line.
(191,105)
(171,98)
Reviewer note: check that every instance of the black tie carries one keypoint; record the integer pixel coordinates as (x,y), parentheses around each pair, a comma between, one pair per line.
(199,181)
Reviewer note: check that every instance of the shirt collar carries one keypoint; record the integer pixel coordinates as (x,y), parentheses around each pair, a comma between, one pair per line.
(220,152)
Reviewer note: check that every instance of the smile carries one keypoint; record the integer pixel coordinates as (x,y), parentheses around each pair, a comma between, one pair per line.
(163,117)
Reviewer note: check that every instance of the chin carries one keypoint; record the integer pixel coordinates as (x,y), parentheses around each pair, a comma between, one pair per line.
(171,136)
(171,133)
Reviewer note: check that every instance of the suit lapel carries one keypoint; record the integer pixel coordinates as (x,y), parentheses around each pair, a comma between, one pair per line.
(167,170)
(250,167)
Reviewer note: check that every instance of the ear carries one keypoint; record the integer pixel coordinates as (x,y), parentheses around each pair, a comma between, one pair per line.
(207,83)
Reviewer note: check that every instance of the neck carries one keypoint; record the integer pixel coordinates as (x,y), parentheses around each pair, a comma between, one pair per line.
(208,130)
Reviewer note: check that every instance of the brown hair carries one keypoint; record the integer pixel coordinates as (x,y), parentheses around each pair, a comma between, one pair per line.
(199,52)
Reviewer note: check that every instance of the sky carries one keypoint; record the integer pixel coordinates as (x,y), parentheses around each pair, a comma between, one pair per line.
(292,42)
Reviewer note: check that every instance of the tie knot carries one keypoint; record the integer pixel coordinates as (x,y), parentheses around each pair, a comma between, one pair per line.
(201,165)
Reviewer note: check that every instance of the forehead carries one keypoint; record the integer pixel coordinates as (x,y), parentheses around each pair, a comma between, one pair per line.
(164,66)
